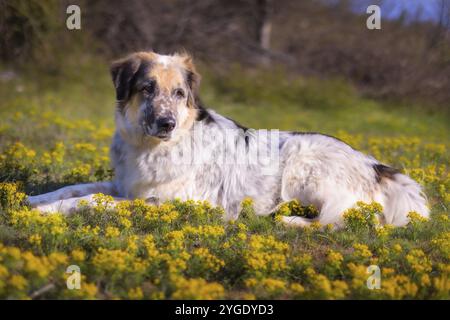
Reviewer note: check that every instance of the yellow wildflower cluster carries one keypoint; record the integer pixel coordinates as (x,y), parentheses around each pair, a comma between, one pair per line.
(265,255)
(399,287)
(207,261)
(295,208)
(206,231)
(197,289)
(39,270)
(322,287)
(165,213)
(361,251)
(364,216)
(117,261)
(10,197)
(32,220)
(267,288)
(418,261)
(442,243)
(334,259)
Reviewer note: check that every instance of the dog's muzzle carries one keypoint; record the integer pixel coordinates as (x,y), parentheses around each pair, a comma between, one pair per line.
(164,127)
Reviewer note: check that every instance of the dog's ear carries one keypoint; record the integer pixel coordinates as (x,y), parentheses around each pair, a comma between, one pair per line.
(193,79)
(123,73)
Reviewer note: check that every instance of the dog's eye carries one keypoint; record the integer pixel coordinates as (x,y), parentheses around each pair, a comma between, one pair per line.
(149,88)
(179,93)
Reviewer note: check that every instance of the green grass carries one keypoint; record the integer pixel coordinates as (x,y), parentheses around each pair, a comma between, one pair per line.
(271,100)
(55,130)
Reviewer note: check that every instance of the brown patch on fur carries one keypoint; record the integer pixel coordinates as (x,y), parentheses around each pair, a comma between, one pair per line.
(193,78)
(382,171)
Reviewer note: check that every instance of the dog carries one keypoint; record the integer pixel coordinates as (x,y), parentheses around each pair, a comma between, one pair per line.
(168,146)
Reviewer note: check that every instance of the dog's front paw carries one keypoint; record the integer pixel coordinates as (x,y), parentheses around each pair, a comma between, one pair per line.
(35,201)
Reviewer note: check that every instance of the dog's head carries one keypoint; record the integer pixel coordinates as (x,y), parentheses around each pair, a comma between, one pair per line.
(156,94)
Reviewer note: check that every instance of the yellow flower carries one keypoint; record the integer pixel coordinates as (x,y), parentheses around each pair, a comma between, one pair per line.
(415,218)
(3,272)
(251,282)
(170,217)
(57,259)
(361,251)
(177,263)
(266,255)
(131,243)
(10,197)
(197,289)
(296,289)
(273,285)
(442,243)
(266,287)
(315,226)
(102,202)
(88,290)
(209,261)
(35,239)
(418,261)
(175,240)
(150,246)
(359,275)
(248,296)
(79,173)
(18,282)
(334,258)
(324,288)
(340,289)
(78,255)
(425,280)
(397,248)
(84,147)
(399,287)
(204,231)
(135,293)
(241,236)
(36,265)
(112,232)
(124,222)
(442,285)
(111,260)
(384,231)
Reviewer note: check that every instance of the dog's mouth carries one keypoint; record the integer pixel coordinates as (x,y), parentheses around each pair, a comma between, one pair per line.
(165,136)
(161,134)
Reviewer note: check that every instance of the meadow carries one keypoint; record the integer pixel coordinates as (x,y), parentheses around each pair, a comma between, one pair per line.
(55,130)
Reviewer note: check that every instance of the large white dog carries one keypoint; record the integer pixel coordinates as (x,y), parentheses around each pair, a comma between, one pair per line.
(168,146)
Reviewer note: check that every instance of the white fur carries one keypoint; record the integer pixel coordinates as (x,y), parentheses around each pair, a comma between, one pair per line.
(164,60)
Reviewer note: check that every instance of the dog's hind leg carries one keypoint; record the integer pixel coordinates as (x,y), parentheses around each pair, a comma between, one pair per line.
(311,183)
(296,221)
(74,191)
(330,213)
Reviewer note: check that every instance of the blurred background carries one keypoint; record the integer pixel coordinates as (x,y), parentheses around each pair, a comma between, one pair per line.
(314,60)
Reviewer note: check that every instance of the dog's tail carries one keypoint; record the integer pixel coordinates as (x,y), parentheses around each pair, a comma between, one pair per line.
(401,195)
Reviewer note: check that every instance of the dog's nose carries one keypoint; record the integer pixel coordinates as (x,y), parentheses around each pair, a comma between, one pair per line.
(166,124)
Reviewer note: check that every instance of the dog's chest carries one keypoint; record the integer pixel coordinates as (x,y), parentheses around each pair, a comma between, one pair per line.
(147,174)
